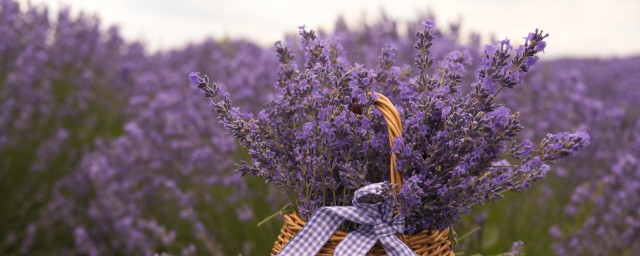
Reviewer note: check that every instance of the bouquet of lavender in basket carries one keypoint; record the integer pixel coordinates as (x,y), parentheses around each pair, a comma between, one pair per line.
(330,133)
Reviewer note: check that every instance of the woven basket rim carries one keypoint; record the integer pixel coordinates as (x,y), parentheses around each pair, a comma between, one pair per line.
(423,243)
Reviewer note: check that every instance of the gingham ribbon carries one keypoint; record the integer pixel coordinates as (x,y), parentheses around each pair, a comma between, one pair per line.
(376,224)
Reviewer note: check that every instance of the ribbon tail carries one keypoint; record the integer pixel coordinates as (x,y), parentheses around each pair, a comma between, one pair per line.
(357,242)
(395,247)
(313,235)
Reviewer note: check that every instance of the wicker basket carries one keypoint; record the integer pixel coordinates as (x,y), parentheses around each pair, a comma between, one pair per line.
(424,243)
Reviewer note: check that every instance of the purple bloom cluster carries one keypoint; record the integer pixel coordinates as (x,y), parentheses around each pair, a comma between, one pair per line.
(579,94)
(517,249)
(612,222)
(319,139)
(62,84)
(154,186)
(100,155)
(363,41)
(602,184)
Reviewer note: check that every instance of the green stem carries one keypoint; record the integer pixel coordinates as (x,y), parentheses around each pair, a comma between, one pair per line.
(284,209)
(469,233)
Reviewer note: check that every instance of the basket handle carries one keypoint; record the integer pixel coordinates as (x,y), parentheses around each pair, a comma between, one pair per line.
(394,127)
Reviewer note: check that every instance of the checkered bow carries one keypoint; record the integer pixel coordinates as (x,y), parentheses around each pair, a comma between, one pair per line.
(376,220)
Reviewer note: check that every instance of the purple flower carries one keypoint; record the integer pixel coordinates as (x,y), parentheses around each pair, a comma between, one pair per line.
(517,248)
(487,84)
(540,46)
(555,231)
(561,145)
(527,147)
(446,111)
(428,23)
(194,78)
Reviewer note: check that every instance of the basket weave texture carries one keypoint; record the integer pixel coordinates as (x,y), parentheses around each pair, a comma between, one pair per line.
(424,243)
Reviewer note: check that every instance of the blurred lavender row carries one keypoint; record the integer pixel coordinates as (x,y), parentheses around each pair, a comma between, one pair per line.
(102,153)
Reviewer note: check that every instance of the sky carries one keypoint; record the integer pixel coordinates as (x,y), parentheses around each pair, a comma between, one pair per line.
(577,28)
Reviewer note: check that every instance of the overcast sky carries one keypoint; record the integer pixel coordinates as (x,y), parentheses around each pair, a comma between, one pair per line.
(591,28)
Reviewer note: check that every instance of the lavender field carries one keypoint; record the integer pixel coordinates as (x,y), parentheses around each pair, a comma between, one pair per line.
(106,147)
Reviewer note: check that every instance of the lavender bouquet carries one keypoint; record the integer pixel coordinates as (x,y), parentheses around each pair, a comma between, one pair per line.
(320,139)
